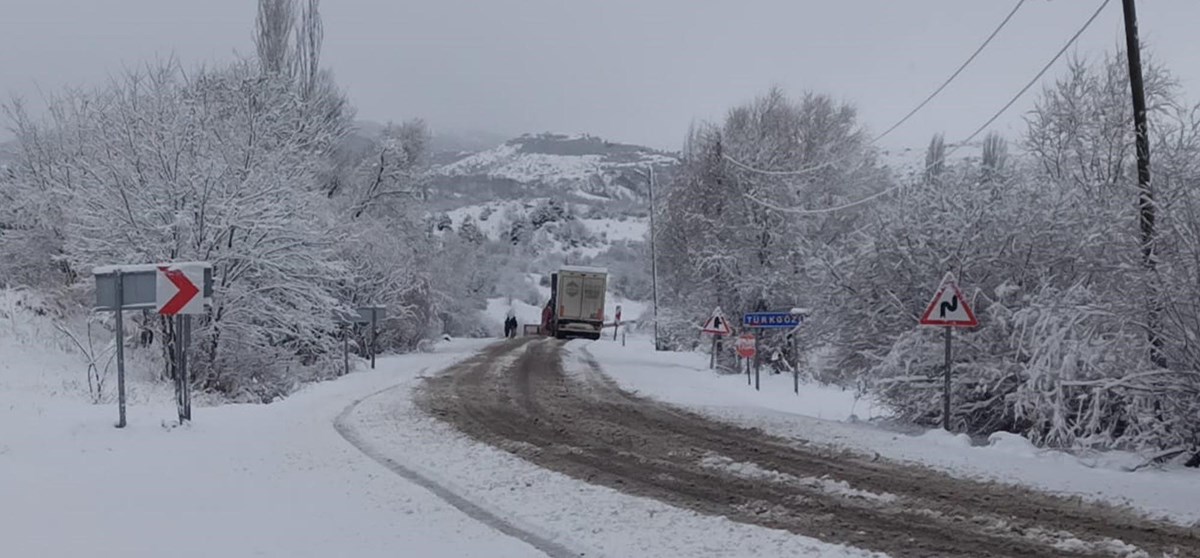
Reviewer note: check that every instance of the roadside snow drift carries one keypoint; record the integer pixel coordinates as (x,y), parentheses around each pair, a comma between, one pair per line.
(831,416)
(244,480)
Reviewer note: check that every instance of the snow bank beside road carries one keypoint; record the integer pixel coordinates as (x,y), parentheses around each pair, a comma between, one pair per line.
(817,415)
(684,378)
(242,480)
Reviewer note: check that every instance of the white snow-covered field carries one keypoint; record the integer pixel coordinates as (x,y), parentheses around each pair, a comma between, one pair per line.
(832,416)
(499,220)
(614,230)
(509,161)
(241,480)
(506,161)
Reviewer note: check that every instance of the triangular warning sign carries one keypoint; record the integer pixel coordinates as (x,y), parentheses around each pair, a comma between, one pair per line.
(949,307)
(717,324)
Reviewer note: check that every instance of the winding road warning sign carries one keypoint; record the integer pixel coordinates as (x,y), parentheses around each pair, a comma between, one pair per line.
(949,307)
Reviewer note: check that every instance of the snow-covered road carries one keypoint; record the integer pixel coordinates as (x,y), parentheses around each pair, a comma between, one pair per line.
(560,412)
(283,479)
(590,519)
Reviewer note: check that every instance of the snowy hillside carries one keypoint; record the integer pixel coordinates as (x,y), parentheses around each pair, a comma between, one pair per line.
(910,161)
(495,218)
(584,166)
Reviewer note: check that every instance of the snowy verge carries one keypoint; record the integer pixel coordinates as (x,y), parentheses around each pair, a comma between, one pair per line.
(241,480)
(588,518)
(830,416)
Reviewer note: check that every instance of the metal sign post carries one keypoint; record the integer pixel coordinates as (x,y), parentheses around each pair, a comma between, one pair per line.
(796,363)
(946,387)
(365,315)
(345,350)
(171,289)
(757,362)
(187,368)
(119,280)
(747,347)
(948,308)
(183,383)
(796,381)
(791,319)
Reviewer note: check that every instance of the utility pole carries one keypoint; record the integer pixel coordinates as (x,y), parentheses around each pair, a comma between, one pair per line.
(1145,190)
(653,261)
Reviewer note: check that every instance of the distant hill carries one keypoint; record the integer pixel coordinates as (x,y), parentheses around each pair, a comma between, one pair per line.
(446,144)
(582,167)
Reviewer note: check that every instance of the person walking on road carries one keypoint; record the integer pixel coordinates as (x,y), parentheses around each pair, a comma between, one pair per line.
(510,324)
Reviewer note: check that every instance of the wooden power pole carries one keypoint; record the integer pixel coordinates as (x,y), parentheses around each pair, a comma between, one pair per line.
(1145,190)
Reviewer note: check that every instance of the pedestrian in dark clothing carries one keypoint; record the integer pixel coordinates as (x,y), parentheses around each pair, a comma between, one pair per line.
(510,325)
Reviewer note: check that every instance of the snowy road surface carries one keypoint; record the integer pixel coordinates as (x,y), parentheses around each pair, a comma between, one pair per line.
(518,396)
(513,449)
(249,480)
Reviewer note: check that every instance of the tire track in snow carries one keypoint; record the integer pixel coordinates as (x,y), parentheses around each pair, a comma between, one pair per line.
(574,420)
(346,429)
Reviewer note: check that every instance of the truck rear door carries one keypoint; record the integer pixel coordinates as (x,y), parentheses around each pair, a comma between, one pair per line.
(592,301)
(570,295)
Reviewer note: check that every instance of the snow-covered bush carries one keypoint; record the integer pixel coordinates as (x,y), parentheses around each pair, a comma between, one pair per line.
(1077,319)
(221,166)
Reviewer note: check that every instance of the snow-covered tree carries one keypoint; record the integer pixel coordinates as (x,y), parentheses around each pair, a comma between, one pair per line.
(393,173)
(551,210)
(469,231)
(725,242)
(216,166)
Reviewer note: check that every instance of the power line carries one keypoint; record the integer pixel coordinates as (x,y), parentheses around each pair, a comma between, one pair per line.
(906,117)
(959,145)
(954,75)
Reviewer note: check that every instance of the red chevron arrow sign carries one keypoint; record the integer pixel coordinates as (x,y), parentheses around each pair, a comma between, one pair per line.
(177,290)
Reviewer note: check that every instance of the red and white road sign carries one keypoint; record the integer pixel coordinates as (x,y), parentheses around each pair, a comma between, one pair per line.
(949,307)
(745,345)
(717,324)
(177,290)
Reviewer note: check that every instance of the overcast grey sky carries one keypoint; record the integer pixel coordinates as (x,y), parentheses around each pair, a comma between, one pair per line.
(629,70)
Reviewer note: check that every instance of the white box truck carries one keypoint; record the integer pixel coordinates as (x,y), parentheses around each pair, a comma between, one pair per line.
(577,302)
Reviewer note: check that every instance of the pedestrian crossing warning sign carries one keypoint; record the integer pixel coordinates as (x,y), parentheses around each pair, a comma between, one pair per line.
(717,324)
